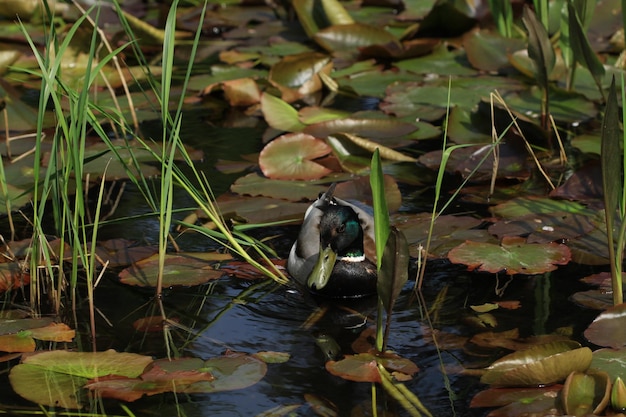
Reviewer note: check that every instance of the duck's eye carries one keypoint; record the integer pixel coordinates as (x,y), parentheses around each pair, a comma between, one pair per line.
(341,228)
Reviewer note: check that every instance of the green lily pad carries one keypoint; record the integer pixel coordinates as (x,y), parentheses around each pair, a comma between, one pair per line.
(609,328)
(90,364)
(350,37)
(518,401)
(178,271)
(539,365)
(611,361)
(534,205)
(290,157)
(514,256)
(54,389)
(279,114)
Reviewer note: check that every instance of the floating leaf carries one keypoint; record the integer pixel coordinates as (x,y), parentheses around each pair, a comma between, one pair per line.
(359,368)
(539,365)
(369,128)
(54,389)
(54,332)
(611,361)
(513,256)
(19,342)
(279,114)
(609,328)
(518,401)
(90,364)
(178,270)
(353,36)
(120,252)
(290,157)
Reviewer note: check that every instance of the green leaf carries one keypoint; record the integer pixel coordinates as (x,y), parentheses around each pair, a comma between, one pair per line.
(513,256)
(381,212)
(612,186)
(394,270)
(539,47)
(583,53)
(611,361)
(353,36)
(336,13)
(90,364)
(539,365)
(586,393)
(279,114)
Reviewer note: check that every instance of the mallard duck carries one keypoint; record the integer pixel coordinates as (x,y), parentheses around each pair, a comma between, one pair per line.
(335,254)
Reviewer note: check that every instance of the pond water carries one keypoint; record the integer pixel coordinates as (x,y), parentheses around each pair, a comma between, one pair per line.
(252,316)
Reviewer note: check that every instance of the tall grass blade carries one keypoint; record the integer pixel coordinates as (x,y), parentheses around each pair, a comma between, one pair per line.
(612,171)
(581,49)
(502,12)
(381,212)
(540,50)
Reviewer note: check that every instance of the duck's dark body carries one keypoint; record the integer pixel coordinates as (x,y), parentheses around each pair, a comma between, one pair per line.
(334,253)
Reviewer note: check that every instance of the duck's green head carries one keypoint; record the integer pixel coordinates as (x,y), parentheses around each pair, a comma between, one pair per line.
(341,237)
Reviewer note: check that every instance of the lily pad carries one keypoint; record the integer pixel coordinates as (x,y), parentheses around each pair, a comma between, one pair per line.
(363,366)
(290,157)
(609,328)
(539,365)
(518,401)
(179,270)
(514,256)
(611,361)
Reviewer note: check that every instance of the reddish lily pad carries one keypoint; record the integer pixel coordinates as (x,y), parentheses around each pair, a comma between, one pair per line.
(19,342)
(290,157)
(363,367)
(518,401)
(179,270)
(359,368)
(12,276)
(609,328)
(513,256)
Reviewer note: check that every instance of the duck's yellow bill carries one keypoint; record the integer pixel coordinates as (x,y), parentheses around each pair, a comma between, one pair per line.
(323,269)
